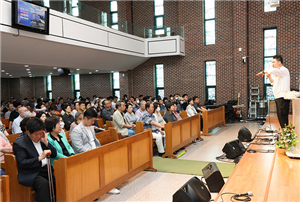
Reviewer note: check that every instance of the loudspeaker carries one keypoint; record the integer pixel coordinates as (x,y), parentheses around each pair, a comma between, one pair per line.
(244,135)
(213,177)
(63,71)
(193,190)
(233,149)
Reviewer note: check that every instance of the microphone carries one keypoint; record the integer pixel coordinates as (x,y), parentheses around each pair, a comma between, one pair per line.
(249,193)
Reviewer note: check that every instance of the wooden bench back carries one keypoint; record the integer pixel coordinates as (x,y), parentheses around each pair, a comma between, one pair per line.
(183,114)
(162,113)
(5,122)
(12,138)
(18,192)
(180,133)
(88,175)
(107,136)
(212,119)
(109,124)
(4,189)
(100,122)
(139,127)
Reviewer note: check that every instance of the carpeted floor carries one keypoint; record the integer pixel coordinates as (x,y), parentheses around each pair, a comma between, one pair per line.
(189,167)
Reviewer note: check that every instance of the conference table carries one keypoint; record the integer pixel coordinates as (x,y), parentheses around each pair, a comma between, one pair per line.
(271,176)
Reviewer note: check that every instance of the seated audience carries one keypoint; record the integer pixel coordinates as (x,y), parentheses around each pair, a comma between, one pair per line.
(159,118)
(81,108)
(14,114)
(56,139)
(30,108)
(179,104)
(76,106)
(31,151)
(190,109)
(53,110)
(24,113)
(40,107)
(67,117)
(114,101)
(107,113)
(96,126)
(79,118)
(136,105)
(87,105)
(130,116)
(139,113)
(149,122)
(161,105)
(23,128)
(120,122)
(185,104)
(3,132)
(41,115)
(10,109)
(60,103)
(60,117)
(169,115)
(5,147)
(199,109)
(175,112)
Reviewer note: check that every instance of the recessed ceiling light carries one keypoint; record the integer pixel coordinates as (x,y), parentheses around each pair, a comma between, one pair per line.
(7,73)
(29,72)
(2,70)
(78,69)
(89,72)
(26,65)
(112,71)
(55,67)
(97,70)
(28,69)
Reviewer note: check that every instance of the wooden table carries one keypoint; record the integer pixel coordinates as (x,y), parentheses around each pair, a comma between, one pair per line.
(265,174)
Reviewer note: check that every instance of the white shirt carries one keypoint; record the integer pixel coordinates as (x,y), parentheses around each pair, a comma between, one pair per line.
(73,113)
(40,151)
(91,137)
(114,105)
(16,125)
(281,82)
(191,111)
(7,114)
(32,113)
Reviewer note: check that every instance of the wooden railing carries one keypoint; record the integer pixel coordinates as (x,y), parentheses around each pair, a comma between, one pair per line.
(180,133)
(183,114)
(107,136)
(212,119)
(4,189)
(12,138)
(89,175)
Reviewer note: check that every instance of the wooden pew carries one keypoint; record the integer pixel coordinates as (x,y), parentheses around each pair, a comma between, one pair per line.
(108,136)
(67,135)
(18,192)
(212,119)
(9,131)
(180,133)
(5,122)
(110,124)
(88,175)
(12,138)
(183,114)
(100,122)
(4,188)
(162,113)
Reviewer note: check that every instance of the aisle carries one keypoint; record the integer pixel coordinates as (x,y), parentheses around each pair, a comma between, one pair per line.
(159,187)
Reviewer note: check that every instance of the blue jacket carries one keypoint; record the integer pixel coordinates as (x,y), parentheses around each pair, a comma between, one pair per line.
(57,146)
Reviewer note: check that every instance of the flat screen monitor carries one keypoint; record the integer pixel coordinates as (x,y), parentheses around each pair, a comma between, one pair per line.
(30,17)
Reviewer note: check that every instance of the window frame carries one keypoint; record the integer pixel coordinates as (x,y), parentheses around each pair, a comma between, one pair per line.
(157,89)
(205,20)
(264,57)
(211,86)
(111,16)
(49,92)
(74,85)
(155,20)
(115,89)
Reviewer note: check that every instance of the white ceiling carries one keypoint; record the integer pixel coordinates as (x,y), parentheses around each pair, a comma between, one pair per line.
(43,55)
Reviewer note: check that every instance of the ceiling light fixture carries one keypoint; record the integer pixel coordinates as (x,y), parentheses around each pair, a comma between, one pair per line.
(112,71)
(28,69)
(29,72)
(97,70)
(26,65)
(2,70)
(78,69)
(7,73)
(55,67)
(89,72)
(30,76)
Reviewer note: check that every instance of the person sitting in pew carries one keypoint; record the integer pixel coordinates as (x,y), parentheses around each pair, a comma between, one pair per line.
(83,136)
(23,128)
(31,152)
(159,118)
(107,112)
(149,122)
(79,118)
(169,116)
(67,117)
(5,147)
(129,115)
(139,113)
(120,122)
(56,139)
(190,109)
(23,113)
(175,111)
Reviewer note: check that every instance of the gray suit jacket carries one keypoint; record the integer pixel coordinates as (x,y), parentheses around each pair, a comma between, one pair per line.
(119,122)
(80,139)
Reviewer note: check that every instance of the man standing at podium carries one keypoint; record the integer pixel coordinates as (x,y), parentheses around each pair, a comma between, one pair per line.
(281,84)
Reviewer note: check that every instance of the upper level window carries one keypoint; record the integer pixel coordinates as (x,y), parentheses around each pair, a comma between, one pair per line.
(266,6)
(104,18)
(49,86)
(159,17)
(114,14)
(46,3)
(76,78)
(159,80)
(270,50)
(209,22)
(210,75)
(116,84)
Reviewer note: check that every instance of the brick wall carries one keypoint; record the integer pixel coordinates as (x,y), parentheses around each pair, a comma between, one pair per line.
(62,86)
(5,93)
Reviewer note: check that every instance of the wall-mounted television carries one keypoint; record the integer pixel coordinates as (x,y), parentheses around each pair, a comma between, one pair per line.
(30,17)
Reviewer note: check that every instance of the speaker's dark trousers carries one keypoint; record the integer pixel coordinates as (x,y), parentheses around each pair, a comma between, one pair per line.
(41,186)
(282,111)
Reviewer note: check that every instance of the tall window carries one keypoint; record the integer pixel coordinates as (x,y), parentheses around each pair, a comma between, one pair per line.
(266,6)
(75,7)
(270,49)
(76,80)
(159,80)
(46,3)
(210,75)
(159,17)
(114,14)
(104,18)
(116,84)
(49,86)
(209,22)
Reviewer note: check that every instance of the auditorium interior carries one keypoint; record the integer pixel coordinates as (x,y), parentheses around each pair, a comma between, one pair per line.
(230,149)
